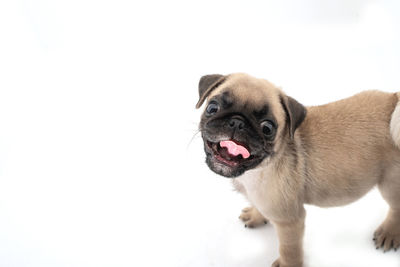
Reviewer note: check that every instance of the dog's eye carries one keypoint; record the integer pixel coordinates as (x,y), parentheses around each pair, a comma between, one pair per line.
(212,108)
(267,128)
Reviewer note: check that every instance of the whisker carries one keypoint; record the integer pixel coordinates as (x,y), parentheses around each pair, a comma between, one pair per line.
(196,134)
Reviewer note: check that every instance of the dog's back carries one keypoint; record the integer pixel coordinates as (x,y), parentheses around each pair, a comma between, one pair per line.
(349,136)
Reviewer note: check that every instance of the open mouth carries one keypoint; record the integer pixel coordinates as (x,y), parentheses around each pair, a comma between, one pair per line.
(230,152)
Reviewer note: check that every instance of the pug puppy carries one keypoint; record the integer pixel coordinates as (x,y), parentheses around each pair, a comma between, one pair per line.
(282,155)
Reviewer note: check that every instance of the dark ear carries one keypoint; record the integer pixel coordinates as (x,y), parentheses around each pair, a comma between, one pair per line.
(207,84)
(295,113)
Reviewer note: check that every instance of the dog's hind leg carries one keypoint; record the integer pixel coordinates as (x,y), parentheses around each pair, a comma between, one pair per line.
(387,236)
(388,233)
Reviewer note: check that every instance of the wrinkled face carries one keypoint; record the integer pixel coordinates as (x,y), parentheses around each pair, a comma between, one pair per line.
(237,137)
(241,123)
(246,120)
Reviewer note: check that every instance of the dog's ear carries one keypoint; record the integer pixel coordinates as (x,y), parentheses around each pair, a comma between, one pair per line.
(207,84)
(295,113)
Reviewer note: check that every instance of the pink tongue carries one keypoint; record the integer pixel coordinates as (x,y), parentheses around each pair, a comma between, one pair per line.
(235,149)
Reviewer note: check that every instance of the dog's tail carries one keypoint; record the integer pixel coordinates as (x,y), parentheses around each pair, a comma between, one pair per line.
(395,123)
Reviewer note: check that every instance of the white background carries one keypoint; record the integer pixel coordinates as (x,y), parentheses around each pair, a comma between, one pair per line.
(100,163)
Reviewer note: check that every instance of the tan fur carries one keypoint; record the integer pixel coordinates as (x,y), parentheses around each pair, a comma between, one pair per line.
(339,152)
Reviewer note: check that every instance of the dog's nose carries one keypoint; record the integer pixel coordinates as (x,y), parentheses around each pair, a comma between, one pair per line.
(236,123)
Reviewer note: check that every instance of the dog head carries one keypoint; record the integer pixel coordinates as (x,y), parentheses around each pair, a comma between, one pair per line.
(246,121)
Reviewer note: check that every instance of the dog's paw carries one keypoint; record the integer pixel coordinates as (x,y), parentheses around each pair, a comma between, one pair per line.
(252,217)
(278,263)
(386,239)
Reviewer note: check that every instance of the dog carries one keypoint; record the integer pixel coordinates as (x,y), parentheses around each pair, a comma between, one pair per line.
(282,155)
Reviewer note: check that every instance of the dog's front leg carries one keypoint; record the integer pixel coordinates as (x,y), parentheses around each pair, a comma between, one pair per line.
(290,236)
